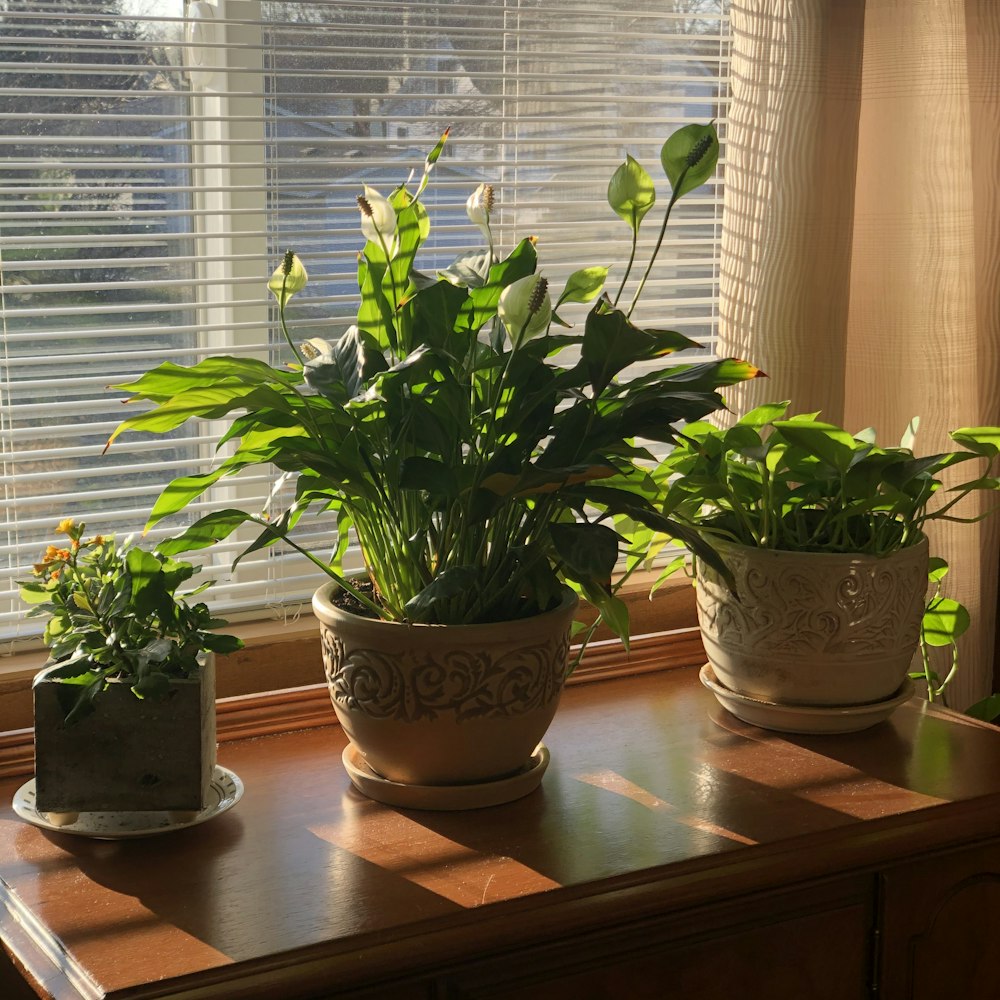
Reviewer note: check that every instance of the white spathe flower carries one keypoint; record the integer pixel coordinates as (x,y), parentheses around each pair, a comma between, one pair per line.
(289,277)
(525,307)
(479,207)
(378,218)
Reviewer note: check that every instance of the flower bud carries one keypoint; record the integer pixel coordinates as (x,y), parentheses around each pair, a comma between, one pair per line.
(631,193)
(525,308)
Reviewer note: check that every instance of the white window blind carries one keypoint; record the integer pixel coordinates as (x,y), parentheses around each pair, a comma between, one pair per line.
(157,157)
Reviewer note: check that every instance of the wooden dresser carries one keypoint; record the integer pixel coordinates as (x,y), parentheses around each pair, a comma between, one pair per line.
(672,852)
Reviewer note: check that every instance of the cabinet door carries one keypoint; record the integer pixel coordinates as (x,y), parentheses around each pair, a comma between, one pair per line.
(940,927)
(807,945)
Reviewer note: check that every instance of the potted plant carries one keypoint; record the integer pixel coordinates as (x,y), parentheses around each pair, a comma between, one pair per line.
(815,620)
(479,475)
(125,706)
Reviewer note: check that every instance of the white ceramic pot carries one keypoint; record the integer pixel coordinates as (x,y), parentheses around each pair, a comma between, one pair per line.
(813,628)
(444,704)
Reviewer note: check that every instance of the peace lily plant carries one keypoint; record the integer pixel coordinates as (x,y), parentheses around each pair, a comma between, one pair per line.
(478,473)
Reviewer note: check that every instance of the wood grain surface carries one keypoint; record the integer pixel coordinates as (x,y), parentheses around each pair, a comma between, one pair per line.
(656,801)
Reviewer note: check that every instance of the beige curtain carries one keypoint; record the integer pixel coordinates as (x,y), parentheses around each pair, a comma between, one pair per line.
(861,243)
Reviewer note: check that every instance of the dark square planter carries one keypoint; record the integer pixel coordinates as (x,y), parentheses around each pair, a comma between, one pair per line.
(129,754)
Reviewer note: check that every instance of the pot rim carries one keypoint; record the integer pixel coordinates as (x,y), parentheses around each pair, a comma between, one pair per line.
(321,601)
(193,678)
(721,544)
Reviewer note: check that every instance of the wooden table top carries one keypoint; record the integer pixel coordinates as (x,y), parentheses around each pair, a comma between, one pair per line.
(651,788)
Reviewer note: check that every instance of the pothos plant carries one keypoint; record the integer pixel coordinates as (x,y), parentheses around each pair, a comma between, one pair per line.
(114,614)
(477,472)
(803,485)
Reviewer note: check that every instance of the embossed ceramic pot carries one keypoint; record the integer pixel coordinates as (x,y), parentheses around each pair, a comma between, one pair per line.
(444,704)
(813,628)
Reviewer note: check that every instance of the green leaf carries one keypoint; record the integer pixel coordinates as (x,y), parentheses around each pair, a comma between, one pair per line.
(469,270)
(147,585)
(178,493)
(432,158)
(988,709)
(435,309)
(482,302)
(614,612)
(981,440)
(589,551)
(436,478)
(982,483)
(829,443)
(413,227)
(760,416)
(429,606)
(583,285)
(535,480)
(207,531)
(33,593)
(909,438)
(631,193)
(611,343)
(154,685)
(375,311)
(169,379)
(220,643)
(343,373)
(937,569)
(208,403)
(689,157)
(944,621)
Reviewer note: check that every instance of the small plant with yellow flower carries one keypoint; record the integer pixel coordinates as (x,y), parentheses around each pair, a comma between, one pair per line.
(114,613)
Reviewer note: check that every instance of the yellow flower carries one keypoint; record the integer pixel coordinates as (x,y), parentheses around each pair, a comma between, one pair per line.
(65,526)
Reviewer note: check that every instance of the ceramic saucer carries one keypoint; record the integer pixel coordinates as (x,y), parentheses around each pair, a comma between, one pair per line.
(804,719)
(225,791)
(445,797)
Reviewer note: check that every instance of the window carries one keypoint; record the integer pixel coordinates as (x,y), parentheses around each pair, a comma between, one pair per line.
(158,156)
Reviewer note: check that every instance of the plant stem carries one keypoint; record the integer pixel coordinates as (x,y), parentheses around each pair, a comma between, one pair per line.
(628,267)
(659,241)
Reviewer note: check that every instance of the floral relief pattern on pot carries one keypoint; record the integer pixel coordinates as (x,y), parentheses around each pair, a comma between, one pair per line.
(433,705)
(464,683)
(813,628)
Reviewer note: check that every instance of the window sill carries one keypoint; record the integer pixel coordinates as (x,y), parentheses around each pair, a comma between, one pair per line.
(276,683)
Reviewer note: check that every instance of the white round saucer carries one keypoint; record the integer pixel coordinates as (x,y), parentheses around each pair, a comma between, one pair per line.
(225,791)
(445,797)
(804,719)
